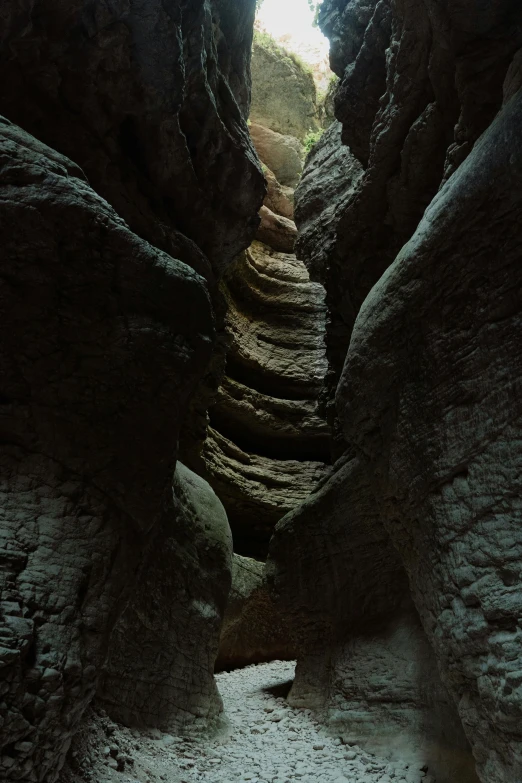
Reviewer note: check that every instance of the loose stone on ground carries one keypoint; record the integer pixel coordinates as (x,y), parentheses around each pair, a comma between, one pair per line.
(272,742)
(266,741)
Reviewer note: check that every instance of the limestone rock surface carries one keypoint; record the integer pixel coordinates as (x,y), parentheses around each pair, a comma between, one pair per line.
(414,97)
(276,322)
(284,96)
(158,126)
(256,489)
(431,396)
(267,445)
(364,663)
(277,231)
(278,199)
(424,304)
(283,154)
(104,339)
(253,630)
(159,672)
(326,189)
(328,183)
(287,427)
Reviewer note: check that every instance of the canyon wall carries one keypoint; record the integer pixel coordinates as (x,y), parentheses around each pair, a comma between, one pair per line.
(128,183)
(157,125)
(419,83)
(420,261)
(284,96)
(267,445)
(253,628)
(144,279)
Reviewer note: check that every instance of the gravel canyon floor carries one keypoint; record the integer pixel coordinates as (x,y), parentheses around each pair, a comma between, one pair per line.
(266,741)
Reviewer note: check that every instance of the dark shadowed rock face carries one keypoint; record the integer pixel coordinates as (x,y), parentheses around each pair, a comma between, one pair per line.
(328,183)
(431,395)
(151,101)
(96,366)
(253,630)
(159,672)
(326,189)
(419,83)
(364,662)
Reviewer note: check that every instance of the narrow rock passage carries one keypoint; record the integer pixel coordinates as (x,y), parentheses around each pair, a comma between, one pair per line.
(266,741)
(273,742)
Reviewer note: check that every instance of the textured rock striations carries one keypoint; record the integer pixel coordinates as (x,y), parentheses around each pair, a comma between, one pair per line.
(151,101)
(325,188)
(267,445)
(435,357)
(163,647)
(284,97)
(364,663)
(105,337)
(419,83)
(425,502)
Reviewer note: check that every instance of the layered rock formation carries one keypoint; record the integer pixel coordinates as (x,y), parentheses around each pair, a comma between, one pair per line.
(424,504)
(398,579)
(267,445)
(106,336)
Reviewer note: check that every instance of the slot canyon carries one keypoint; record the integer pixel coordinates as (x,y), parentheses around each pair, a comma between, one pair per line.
(260,394)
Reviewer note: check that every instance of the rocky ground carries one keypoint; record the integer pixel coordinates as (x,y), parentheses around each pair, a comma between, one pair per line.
(266,741)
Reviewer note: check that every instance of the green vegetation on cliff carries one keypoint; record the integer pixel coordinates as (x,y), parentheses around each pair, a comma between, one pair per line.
(284,94)
(268,42)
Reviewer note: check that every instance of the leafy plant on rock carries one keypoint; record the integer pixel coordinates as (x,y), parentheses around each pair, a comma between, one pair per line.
(311,139)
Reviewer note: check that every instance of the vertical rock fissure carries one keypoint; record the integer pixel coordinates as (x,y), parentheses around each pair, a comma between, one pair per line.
(267,444)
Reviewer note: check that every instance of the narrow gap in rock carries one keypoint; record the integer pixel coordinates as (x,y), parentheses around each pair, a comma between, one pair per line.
(260,399)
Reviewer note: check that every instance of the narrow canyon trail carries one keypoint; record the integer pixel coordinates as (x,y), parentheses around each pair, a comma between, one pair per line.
(273,742)
(266,741)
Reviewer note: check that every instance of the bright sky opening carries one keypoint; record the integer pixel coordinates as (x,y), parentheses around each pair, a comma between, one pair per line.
(291,21)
